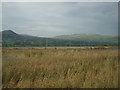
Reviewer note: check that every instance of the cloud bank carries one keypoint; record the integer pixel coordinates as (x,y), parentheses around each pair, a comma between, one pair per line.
(46,19)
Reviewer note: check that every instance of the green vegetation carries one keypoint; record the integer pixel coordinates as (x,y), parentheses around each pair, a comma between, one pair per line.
(60,67)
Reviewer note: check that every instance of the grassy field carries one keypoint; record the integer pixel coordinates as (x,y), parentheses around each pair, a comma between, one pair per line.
(60,67)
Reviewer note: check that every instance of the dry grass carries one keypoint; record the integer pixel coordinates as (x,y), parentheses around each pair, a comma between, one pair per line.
(59,68)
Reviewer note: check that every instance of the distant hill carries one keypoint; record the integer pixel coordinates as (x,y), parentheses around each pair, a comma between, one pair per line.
(10,38)
(89,37)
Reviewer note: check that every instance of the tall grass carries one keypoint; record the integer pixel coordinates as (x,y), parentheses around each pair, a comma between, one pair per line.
(60,68)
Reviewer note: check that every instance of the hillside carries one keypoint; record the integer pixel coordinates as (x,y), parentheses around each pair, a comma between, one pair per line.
(10,38)
(88,37)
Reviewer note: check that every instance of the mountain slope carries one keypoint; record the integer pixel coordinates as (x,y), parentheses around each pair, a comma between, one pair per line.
(89,37)
(10,38)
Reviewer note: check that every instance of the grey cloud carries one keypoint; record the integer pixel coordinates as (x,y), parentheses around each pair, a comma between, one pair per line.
(51,19)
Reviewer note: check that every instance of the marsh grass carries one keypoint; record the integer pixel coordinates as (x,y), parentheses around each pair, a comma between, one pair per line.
(25,67)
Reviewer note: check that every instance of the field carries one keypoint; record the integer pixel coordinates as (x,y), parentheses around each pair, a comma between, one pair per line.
(60,67)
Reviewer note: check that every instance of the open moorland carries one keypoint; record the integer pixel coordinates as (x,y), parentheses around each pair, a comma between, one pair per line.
(60,67)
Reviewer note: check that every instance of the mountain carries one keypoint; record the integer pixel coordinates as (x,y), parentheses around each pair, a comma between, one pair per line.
(10,35)
(89,37)
(10,38)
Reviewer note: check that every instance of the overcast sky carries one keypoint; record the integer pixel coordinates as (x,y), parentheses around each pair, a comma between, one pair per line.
(52,19)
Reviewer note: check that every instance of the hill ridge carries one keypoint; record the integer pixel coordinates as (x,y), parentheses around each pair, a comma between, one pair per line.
(11,38)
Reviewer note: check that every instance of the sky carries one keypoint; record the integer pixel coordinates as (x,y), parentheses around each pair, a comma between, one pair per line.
(48,19)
